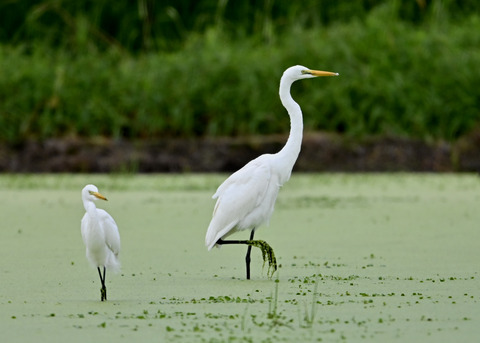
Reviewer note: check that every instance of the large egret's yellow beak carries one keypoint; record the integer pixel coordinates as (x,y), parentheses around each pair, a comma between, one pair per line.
(320,73)
(98,195)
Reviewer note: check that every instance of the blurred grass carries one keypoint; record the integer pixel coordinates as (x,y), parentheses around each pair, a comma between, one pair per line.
(413,78)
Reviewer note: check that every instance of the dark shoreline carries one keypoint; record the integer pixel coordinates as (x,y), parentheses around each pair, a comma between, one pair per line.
(320,153)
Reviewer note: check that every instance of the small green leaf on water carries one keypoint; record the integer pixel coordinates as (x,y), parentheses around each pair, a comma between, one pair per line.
(169,328)
(102,325)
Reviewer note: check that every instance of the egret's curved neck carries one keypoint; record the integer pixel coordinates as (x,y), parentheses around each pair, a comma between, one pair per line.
(90,208)
(292,148)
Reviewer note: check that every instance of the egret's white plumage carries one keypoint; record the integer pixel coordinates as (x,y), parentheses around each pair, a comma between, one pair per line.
(246,199)
(100,234)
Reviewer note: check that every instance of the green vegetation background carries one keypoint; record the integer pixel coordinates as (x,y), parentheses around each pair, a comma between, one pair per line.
(145,68)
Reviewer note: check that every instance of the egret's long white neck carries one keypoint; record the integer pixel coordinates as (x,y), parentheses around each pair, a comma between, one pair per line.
(90,208)
(290,151)
(94,231)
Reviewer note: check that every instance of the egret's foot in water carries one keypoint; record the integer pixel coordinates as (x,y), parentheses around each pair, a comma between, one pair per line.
(267,254)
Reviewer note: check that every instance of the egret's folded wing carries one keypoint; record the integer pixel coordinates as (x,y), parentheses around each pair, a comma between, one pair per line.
(237,197)
(112,236)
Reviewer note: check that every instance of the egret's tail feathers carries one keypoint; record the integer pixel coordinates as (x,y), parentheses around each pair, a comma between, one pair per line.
(210,241)
(214,234)
(113,264)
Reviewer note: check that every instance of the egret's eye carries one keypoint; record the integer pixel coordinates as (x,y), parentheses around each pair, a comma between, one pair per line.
(91,192)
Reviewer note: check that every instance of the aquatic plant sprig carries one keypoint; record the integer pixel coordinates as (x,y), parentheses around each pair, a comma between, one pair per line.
(267,255)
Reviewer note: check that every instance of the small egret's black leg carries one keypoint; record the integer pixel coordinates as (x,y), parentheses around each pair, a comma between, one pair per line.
(247,257)
(103,290)
(104,287)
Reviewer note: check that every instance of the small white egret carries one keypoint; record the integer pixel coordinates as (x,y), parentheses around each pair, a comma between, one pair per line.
(100,235)
(246,199)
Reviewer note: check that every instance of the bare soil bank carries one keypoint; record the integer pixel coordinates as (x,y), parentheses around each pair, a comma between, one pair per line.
(320,153)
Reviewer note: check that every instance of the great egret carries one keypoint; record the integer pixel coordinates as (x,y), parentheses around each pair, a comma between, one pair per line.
(100,235)
(246,199)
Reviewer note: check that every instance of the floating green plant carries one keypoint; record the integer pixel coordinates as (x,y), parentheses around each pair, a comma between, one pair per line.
(267,254)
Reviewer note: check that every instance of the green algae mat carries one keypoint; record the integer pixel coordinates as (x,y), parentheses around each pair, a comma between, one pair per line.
(373,258)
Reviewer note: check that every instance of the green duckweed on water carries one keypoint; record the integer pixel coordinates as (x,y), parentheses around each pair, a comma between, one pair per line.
(374,258)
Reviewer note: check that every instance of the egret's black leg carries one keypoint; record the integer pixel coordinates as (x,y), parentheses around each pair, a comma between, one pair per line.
(100,273)
(104,287)
(247,257)
(103,290)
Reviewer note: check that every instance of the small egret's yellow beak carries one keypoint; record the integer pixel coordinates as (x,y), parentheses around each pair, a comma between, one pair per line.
(98,195)
(320,73)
